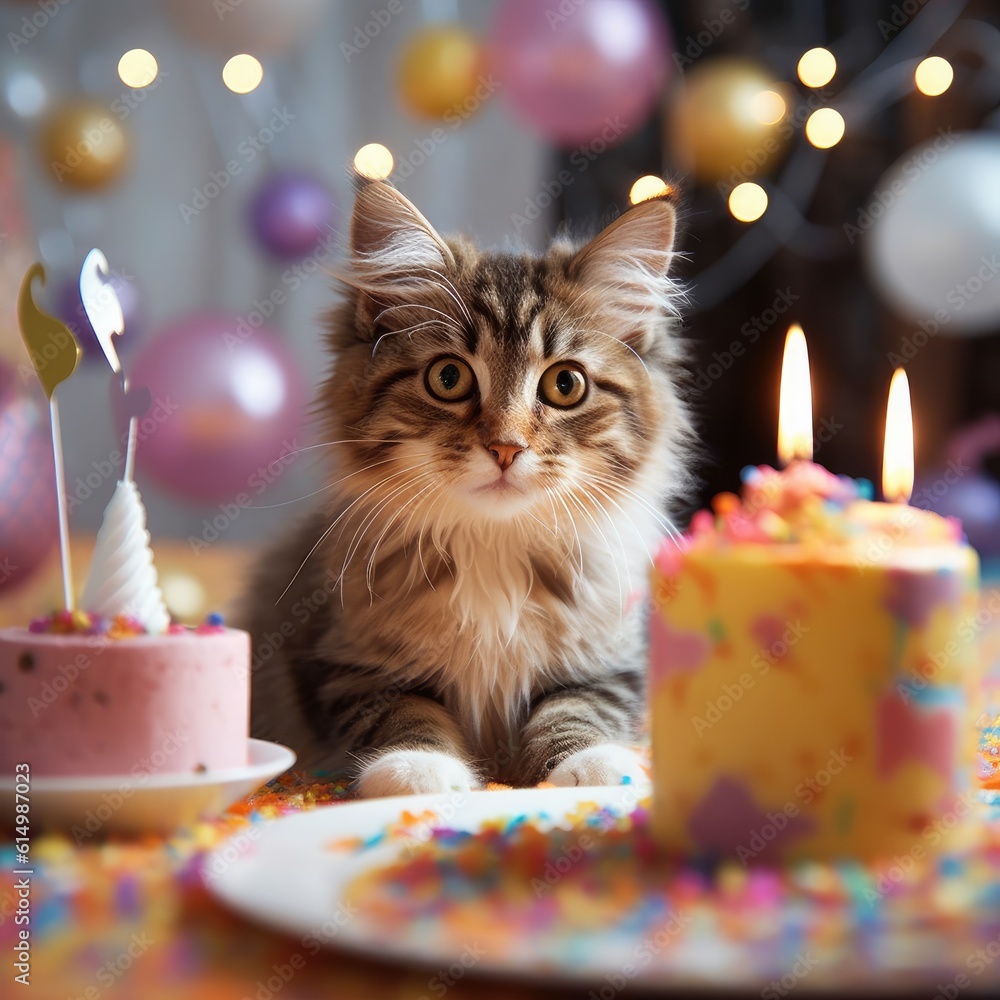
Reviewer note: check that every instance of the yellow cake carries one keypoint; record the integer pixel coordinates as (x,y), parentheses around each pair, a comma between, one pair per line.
(809,681)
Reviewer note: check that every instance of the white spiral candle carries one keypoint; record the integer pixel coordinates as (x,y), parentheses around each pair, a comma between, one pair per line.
(122,577)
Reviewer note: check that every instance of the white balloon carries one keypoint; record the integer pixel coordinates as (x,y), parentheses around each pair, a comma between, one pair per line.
(934,246)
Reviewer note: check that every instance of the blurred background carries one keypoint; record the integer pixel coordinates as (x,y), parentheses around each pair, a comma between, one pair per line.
(837,164)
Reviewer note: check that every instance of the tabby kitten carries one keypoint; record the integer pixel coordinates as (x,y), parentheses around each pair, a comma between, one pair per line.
(503,432)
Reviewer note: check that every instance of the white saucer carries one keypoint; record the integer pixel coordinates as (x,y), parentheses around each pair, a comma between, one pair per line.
(87,807)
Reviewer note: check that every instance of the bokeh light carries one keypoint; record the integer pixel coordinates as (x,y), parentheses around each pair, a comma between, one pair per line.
(747,202)
(933,76)
(817,67)
(648,187)
(137,68)
(242,74)
(768,107)
(825,127)
(373,161)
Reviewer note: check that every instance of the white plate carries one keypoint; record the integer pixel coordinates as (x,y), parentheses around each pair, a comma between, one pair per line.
(155,803)
(293,877)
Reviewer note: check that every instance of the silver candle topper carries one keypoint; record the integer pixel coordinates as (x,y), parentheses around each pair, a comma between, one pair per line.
(100,302)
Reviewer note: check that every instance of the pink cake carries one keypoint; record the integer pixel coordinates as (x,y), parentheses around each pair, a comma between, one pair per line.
(76,704)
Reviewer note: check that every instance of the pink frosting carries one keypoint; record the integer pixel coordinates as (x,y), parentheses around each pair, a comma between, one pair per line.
(673,651)
(73,705)
(911,732)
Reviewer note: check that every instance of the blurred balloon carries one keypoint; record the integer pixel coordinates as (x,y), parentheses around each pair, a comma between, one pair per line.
(592,71)
(439,71)
(227,400)
(935,229)
(70,310)
(962,489)
(726,122)
(257,26)
(291,213)
(84,145)
(29,524)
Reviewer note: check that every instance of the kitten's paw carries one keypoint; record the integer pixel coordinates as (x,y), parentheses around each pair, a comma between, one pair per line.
(604,764)
(414,772)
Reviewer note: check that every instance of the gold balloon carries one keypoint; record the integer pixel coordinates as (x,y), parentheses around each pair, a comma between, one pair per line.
(729,122)
(439,72)
(84,145)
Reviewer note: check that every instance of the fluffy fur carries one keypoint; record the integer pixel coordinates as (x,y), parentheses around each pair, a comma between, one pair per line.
(446,619)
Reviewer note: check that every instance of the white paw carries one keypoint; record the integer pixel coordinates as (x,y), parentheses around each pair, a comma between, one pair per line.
(414,772)
(604,764)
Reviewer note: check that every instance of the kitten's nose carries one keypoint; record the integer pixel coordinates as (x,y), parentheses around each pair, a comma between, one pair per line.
(504,453)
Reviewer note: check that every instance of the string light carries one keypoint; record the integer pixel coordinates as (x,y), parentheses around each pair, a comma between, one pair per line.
(373,161)
(747,202)
(647,188)
(933,76)
(825,127)
(242,74)
(817,67)
(137,68)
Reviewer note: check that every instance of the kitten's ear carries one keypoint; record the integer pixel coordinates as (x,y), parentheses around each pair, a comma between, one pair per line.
(627,267)
(390,238)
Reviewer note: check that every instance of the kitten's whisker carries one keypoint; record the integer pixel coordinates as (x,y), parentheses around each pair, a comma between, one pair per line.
(369,519)
(628,517)
(614,562)
(614,528)
(448,320)
(329,444)
(409,330)
(617,483)
(614,525)
(448,288)
(576,533)
(326,533)
(412,501)
(322,489)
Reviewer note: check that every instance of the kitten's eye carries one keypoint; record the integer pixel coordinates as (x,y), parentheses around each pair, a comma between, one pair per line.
(450,379)
(564,384)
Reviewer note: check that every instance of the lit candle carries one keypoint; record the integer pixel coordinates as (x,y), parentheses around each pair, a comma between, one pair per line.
(897,460)
(807,676)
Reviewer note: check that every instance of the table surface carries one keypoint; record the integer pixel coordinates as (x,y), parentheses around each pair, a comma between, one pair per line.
(131,918)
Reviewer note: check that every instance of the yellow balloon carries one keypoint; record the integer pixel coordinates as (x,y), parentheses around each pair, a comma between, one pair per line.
(84,145)
(729,122)
(439,72)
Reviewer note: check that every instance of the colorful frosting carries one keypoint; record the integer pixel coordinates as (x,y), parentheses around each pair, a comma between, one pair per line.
(809,681)
(118,627)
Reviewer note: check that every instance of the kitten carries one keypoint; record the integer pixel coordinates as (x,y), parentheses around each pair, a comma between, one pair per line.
(504,431)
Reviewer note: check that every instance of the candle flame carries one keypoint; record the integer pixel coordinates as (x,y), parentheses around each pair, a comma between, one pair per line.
(897,464)
(795,436)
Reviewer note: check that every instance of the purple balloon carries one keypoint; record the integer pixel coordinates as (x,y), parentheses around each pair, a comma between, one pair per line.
(973,498)
(227,401)
(29,522)
(593,71)
(291,213)
(71,312)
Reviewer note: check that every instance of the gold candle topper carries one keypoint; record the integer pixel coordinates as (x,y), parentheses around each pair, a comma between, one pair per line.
(54,354)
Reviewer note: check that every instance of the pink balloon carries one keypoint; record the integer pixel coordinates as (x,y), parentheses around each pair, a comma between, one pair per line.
(581,70)
(227,401)
(29,524)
